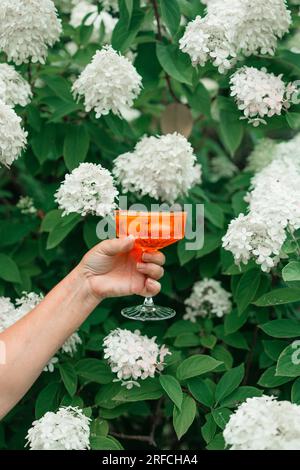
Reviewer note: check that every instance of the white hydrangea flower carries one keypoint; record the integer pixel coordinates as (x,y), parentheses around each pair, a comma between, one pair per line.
(235,27)
(250,236)
(70,346)
(263,423)
(89,189)
(261,233)
(13,138)
(27,29)
(168,163)
(207,39)
(108,83)
(67,429)
(133,356)
(80,12)
(7,312)
(110,5)
(208,298)
(259,94)
(10,314)
(26,205)
(262,155)
(221,167)
(13,87)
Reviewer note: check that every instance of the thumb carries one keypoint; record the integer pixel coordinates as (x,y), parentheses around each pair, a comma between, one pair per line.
(117,246)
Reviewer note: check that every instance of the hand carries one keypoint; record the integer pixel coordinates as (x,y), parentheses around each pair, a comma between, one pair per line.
(112,271)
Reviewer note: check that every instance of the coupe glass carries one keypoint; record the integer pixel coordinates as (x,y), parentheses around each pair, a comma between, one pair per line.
(152,231)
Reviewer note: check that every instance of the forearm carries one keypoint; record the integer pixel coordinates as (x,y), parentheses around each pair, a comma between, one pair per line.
(33,340)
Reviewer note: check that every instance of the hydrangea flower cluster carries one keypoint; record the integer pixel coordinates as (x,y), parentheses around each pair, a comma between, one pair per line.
(27,29)
(67,429)
(89,12)
(262,155)
(260,94)
(263,423)
(13,87)
(10,314)
(26,205)
(221,167)
(108,83)
(110,5)
(169,167)
(261,233)
(208,298)
(235,27)
(133,356)
(89,189)
(13,138)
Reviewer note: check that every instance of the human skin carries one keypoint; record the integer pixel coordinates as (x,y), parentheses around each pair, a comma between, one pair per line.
(108,270)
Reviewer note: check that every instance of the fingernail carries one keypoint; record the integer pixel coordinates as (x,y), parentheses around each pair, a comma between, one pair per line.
(146,256)
(140,265)
(151,281)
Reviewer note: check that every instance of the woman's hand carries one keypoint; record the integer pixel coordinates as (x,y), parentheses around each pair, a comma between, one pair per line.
(112,271)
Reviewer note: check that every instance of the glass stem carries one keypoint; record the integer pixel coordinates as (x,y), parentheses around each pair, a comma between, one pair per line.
(148,302)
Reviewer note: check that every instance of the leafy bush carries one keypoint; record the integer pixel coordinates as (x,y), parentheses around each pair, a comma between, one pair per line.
(228,354)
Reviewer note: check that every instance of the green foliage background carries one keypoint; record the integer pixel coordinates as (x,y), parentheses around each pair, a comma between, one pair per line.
(216,363)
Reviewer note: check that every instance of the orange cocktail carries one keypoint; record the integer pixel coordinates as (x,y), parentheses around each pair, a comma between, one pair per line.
(152,231)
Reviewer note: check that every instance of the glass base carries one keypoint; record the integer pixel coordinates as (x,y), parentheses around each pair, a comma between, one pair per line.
(148,313)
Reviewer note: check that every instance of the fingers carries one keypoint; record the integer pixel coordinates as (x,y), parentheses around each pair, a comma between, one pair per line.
(116,246)
(150,270)
(154,257)
(151,288)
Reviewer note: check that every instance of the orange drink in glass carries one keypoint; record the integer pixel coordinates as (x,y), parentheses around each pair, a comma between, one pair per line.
(152,231)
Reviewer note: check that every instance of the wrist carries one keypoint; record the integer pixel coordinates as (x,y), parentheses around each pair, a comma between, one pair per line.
(79,282)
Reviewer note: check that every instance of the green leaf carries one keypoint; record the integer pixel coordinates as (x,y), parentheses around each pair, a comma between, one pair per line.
(214,214)
(47,399)
(105,443)
(170,13)
(239,395)
(269,379)
(60,86)
(62,230)
(201,391)
(181,326)
(196,365)
(291,274)
(200,100)
(217,443)
(187,340)
(231,130)
(51,220)
(183,419)
(76,146)
(288,364)
(175,63)
(94,370)
(221,416)
(293,120)
(184,255)
(172,388)
(233,322)
(127,27)
(282,328)
(211,242)
(69,377)
(9,271)
(149,389)
(208,430)
(247,289)
(274,347)
(295,392)
(99,427)
(285,295)
(229,382)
